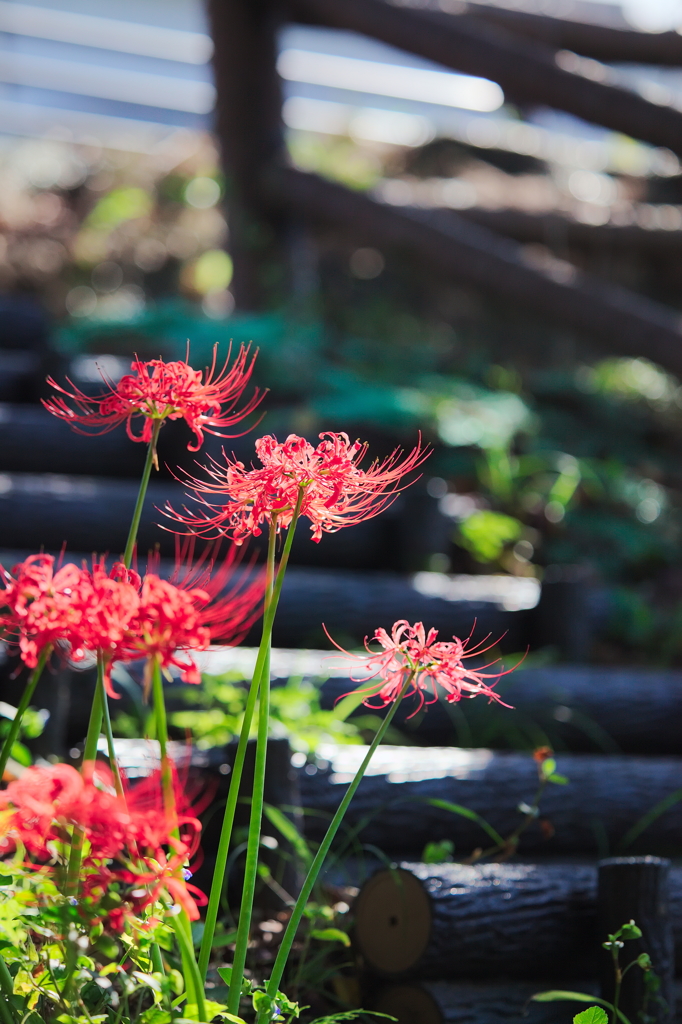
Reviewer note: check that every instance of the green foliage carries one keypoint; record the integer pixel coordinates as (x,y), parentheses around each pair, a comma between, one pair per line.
(119,205)
(295,713)
(32,725)
(593,1015)
(440,852)
(485,534)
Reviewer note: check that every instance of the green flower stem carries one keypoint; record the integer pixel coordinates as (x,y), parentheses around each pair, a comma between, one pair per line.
(194,984)
(141,494)
(162,738)
(7,997)
(272,594)
(89,754)
(320,856)
(29,690)
(106,720)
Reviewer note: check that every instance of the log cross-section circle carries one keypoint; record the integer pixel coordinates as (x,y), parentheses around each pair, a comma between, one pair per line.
(486,921)
(393,921)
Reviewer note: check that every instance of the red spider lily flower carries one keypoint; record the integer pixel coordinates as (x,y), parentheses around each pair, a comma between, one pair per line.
(107,604)
(37,606)
(411,654)
(196,606)
(337,492)
(130,841)
(159,391)
(169,619)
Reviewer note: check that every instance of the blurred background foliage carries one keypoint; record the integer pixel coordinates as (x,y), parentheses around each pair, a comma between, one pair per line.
(544,454)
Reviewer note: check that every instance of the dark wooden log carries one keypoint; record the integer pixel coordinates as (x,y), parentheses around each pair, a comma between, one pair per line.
(33,441)
(527,71)
(88,513)
(249,128)
(580,707)
(489,921)
(620,320)
(637,889)
(462,1002)
(605,797)
(19,373)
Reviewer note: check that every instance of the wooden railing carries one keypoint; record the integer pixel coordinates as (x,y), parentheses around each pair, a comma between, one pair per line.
(266,198)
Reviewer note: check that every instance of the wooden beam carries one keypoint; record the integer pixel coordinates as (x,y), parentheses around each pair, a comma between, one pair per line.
(600,42)
(620,320)
(249,128)
(557,229)
(527,71)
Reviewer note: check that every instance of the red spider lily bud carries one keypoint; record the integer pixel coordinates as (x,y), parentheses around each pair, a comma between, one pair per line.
(336,491)
(541,754)
(411,655)
(158,391)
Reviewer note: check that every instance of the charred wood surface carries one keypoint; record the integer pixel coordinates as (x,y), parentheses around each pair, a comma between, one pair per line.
(486,921)
(622,321)
(526,70)
(638,889)
(447,1002)
(605,797)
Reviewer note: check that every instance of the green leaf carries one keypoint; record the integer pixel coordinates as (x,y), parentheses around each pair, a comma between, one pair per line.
(630,931)
(466,812)
(330,935)
(226,974)
(336,1018)
(556,995)
(593,1015)
(438,852)
(224,940)
(21,754)
(558,780)
(290,832)
(548,767)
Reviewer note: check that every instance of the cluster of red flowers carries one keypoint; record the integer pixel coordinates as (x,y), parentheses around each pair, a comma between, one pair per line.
(124,616)
(333,489)
(134,852)
(158,391)
(412,656)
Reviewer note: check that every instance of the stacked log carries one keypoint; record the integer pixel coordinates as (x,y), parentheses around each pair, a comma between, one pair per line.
(407,801)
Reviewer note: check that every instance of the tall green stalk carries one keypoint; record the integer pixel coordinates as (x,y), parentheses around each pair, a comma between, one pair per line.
(108,732)
(320,856)
(251,870)
(89,754)
(141,495)
(29,690)
(194,983)
(161,721)
(219,869)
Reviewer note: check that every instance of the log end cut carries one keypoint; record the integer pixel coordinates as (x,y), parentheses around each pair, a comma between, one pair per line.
(392,922)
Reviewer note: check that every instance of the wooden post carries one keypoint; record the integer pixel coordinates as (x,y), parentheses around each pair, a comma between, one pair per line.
(636,888)
(249,127)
